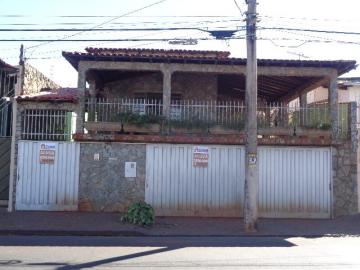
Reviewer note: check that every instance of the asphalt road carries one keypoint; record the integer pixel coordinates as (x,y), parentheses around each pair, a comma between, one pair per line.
(61,253)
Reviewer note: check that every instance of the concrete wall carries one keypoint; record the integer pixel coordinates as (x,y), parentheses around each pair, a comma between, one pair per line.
(199,86)
(354,93)
(103,186)
(34,81)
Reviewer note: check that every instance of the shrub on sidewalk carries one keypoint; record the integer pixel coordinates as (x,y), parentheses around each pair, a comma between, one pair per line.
(139,213)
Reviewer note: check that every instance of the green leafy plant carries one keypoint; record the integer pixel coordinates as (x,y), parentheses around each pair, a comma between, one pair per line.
(324,126)
(235,125)
(137,119)
(191,124)
(139,213)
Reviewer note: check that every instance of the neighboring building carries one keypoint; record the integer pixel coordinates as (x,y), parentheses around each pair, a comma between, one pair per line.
(348,91)
(22,79)
(8,76)
(167,127)
(35,81)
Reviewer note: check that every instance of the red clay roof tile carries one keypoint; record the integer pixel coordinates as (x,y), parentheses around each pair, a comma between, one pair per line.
(52,95)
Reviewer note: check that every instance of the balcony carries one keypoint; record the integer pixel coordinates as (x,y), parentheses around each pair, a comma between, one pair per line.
(144,116)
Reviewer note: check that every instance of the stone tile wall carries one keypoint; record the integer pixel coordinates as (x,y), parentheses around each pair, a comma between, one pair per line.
(345,197)
(345,169)
(102,183)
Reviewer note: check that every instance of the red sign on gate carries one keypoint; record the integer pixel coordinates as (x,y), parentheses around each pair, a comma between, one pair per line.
(200,156)
(47,153)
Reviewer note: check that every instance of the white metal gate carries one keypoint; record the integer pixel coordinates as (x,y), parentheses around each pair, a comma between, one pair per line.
(50,180)
(294,182)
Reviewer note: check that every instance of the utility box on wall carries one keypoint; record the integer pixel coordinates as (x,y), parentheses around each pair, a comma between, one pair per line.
(130,169)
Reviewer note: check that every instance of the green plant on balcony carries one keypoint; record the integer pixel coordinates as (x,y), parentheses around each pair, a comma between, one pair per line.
(140,120)
(190,124)
(319,125)
(325,126)
(234,125)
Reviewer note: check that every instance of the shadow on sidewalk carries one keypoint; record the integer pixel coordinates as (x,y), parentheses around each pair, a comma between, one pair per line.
(169,242)
(161,245)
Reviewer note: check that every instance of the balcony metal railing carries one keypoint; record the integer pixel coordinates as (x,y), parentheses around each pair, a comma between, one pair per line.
(225,114)
(189,115)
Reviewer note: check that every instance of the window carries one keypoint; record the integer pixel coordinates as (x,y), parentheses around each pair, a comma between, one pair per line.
(55,125)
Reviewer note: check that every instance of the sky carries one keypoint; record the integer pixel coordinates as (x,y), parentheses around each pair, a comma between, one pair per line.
(201,14)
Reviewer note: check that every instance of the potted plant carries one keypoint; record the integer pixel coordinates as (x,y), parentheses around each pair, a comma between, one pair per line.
(142,123)
(188,126)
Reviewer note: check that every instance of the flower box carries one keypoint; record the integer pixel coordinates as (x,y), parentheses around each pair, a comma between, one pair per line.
(119,127)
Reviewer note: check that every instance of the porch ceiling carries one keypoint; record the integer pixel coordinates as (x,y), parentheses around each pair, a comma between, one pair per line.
(108,76)
(271,88)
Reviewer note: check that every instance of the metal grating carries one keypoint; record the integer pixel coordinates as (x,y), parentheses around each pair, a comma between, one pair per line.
(54,125)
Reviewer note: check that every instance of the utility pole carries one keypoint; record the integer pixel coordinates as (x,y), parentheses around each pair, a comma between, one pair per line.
(21,57)
(251,166)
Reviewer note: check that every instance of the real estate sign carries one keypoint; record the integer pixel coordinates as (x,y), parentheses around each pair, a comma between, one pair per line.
(47,153)
(200,156)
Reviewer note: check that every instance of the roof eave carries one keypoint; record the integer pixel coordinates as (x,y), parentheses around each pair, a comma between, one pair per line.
(342,67)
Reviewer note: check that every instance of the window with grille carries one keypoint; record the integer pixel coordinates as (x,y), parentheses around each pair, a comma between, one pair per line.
(54,125)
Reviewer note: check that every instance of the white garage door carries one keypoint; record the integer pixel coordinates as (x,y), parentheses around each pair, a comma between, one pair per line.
(48,176)
(293,181)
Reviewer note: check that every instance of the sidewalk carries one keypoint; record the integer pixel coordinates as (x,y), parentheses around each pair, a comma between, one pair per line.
(108,224)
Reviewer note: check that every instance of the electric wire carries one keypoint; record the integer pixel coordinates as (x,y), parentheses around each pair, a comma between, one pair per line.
(106,22)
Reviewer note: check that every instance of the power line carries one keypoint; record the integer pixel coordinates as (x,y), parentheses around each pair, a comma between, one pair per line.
(116,24)
(106,22)
(90,40)
(145,35)
(170,39)
(81,30)
(303,18)
(163,29)
(105,29)
(317,39)
(308,41)
(291,46)
(110,16)
(238,7)
(310,30)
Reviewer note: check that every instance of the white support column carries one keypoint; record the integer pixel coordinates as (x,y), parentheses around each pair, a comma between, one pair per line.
(80,113)
(303,105)
(334,107)
(92,89)
(303,100)
(167,74)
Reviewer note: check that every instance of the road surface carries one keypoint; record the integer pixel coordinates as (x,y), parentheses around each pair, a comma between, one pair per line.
(64,253)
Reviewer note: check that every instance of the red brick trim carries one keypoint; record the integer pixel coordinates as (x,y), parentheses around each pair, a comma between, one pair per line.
(232,139)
